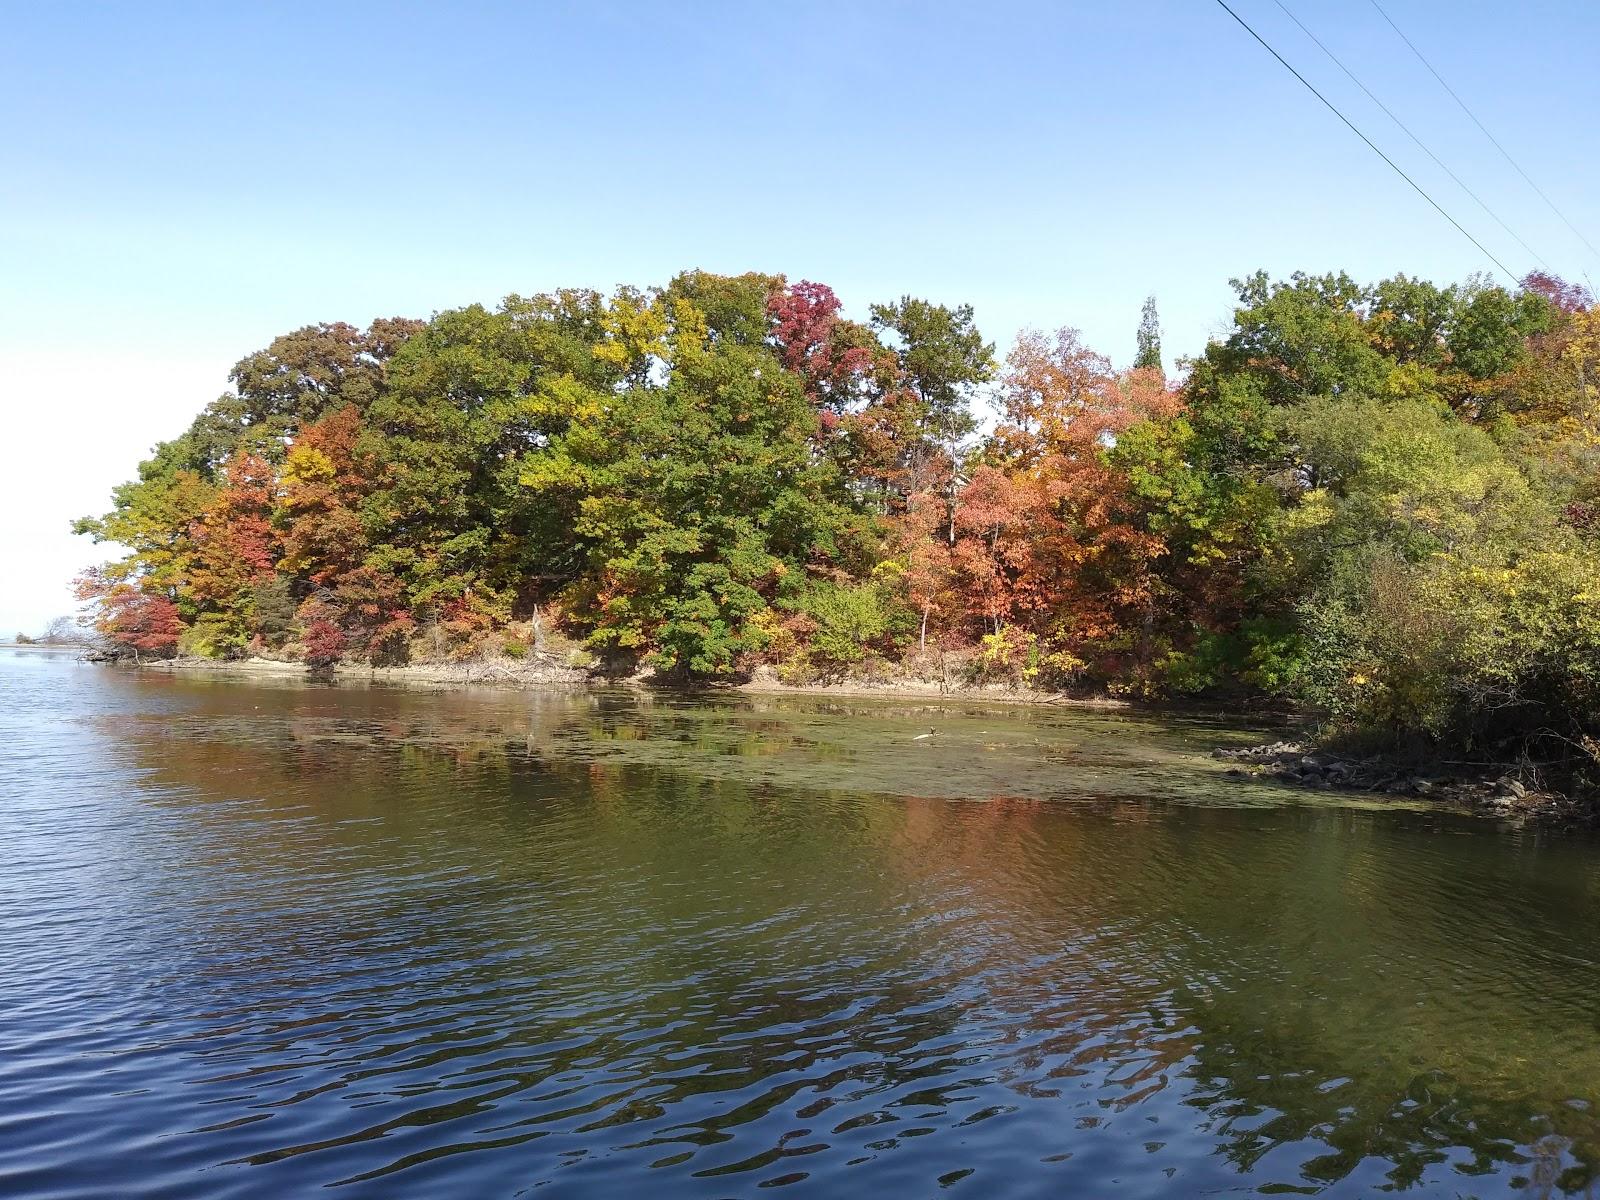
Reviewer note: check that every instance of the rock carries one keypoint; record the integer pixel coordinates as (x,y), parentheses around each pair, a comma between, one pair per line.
(1274,752)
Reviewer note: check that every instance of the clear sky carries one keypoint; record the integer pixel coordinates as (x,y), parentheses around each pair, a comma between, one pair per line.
(179,183)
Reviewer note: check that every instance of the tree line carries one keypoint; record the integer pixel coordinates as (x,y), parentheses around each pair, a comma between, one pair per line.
(1379,501)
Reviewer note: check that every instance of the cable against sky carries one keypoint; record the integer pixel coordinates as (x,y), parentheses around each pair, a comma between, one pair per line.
(1437,207)
(1504,153)
(1406,129)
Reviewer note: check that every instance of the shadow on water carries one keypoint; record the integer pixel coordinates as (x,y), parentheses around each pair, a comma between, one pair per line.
(257,940)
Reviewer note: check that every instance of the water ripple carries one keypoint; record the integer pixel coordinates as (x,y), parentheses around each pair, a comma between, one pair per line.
(256,941)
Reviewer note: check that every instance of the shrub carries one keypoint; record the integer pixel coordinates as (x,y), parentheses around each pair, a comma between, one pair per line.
(1010,655)
(843,624)
(1488,655)
(324,643)
(212,635)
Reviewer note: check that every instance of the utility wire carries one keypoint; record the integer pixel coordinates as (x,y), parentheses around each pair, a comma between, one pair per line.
(1504,153)
(1370,143)
(1404,128)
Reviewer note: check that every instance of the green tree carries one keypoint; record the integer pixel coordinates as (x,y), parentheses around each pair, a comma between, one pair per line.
(696,492)
(1148,341)
(467,398)
(943,363)
(943,360)
(1306,337)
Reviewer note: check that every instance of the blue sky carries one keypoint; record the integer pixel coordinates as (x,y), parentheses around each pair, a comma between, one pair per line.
(178,183)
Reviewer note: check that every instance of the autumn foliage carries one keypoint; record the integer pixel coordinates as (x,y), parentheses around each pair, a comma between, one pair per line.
(729,472)
(143,621)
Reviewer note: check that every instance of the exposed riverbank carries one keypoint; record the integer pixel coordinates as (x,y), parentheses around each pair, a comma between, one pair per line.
(546,671)
(1501,790)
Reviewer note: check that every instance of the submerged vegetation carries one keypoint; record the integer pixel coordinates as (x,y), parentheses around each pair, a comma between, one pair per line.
(1381,502)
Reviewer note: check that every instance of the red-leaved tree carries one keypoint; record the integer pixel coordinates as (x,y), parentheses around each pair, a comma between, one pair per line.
(128,617)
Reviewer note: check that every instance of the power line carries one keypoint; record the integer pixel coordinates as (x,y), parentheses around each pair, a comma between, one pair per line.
(1404,128)
(1370,143)
(1504,153)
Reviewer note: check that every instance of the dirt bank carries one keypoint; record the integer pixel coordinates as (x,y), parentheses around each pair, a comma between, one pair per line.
(548,671)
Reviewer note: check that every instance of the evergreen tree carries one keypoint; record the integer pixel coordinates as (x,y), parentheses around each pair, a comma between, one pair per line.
(1149,337)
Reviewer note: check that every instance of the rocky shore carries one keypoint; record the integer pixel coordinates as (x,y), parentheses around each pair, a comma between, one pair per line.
(1494,789)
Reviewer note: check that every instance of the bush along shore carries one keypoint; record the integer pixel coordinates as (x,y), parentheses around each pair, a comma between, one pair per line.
(1376,503)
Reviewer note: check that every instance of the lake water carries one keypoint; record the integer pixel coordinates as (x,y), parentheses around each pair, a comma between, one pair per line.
(259,939)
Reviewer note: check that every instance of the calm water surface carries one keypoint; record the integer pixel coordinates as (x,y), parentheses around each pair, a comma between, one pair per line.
(259,940)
